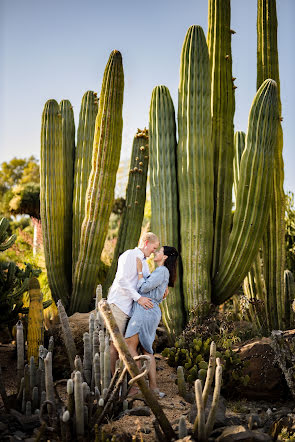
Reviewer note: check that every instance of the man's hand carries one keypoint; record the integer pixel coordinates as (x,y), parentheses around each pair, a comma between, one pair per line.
(145,302)
(166,293)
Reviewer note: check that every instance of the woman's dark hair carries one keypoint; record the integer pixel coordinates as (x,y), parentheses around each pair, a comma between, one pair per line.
(171,263)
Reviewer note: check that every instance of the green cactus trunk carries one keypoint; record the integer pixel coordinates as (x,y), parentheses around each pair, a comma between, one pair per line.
(274,238)
(289,292)
(254,193)
(53,170)
(101,184)
(253,284)
(222,109)
(88,113)
(195,169)
(68,146)
(135,201)
(164,195)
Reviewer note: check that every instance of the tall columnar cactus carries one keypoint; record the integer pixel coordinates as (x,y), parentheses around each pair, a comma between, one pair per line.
(289,298)
(164,194)
(253,284)
(223,108)
(101,184)
(53,189)
(85,134)
(195,168)
(35,319)
(254,193)
(274,238)
(68,147)
(135,202)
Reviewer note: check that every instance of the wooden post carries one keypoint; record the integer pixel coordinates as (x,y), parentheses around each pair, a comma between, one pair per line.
(131,366)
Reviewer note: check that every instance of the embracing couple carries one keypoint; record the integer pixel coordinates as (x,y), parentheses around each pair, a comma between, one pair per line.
(135,295)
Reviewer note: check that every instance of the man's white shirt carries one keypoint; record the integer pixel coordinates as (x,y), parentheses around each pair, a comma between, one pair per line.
(123,290)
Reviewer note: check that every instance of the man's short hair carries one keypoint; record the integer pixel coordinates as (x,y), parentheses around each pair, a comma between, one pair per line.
(148,236)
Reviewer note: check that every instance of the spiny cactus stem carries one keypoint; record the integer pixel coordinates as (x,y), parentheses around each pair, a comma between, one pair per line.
(87,357)
(131,366)
(181,382)
(182,429)
(20,350)
(199,425)
(3,392)
(70,399)
(113,389)
(49,383)
(67,334)
(210,373)
(20,391)
(216,395)
(79,404)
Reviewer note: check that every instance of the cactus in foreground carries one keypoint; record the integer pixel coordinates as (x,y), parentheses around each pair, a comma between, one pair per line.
(35,319)
(53,197)
(253,194)
(135,202)
(222,108)
(67,334)
(274,237)
(85,134)
(101,183)
(195,168)
(164,195)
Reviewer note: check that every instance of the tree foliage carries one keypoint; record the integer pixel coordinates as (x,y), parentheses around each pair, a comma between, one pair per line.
(19,187)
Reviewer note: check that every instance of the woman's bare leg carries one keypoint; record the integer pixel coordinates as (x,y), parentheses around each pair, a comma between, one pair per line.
(152,371)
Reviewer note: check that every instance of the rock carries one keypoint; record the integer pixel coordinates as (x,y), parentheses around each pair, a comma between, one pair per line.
(266,380)
(220,419)
(240,433)
(136,411)
(254,421)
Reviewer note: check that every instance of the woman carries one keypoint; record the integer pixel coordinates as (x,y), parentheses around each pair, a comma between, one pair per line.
(142,326)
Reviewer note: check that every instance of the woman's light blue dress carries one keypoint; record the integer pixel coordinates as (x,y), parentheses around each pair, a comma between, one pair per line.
(145,322)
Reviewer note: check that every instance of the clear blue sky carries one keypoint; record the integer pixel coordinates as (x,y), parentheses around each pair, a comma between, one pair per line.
(59,49)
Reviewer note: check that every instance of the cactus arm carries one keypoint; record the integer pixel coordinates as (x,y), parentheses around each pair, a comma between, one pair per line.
(68,147)
(101,184)
(253,195)
(222,108)
(274,238)
(52,200)
(164,194)
(135,201)
(195,168)
(85,134)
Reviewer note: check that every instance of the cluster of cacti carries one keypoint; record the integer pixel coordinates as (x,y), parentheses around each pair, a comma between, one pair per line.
(192,357)
(77,186)
(14,282)
(217,249)
(135,202)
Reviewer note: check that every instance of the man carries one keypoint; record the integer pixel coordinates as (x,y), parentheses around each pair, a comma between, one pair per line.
(123,290)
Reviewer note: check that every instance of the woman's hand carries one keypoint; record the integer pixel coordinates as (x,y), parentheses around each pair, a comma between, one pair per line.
(139,265)
(166,293)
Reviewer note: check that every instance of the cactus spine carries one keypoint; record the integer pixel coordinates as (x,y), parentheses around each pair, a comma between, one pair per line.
(254,193)
(135,202)
(195,168)
(164,194)
(35,319)
(53,198)
(222,108)
(274,238)
(85,134)
(101,184)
